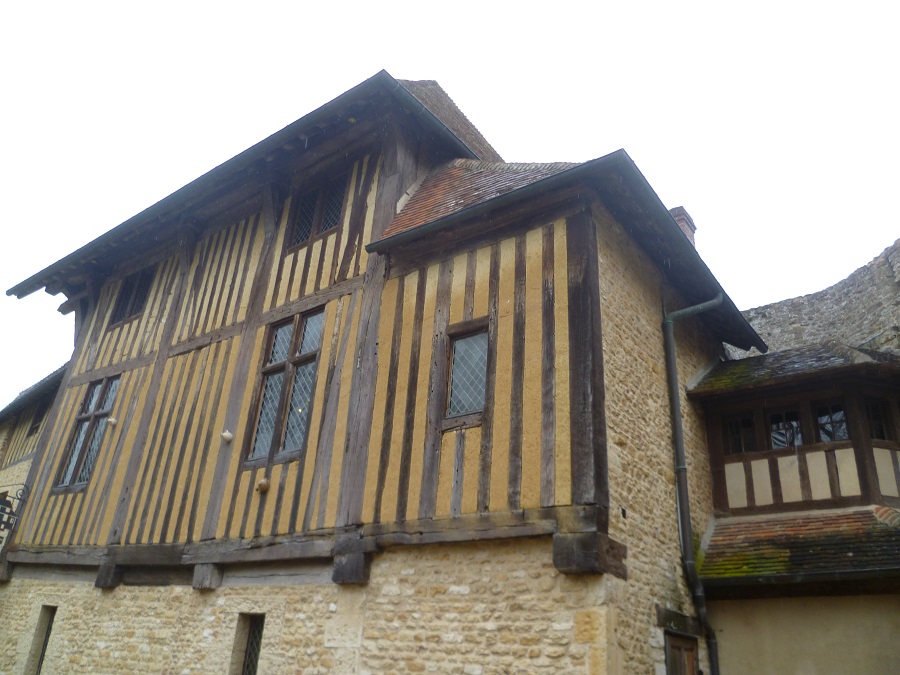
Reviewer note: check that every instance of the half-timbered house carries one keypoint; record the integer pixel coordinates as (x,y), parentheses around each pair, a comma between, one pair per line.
(366,398)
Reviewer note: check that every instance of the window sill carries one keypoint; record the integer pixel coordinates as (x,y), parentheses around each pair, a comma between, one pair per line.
(280,458)
(462,421)
(68,489)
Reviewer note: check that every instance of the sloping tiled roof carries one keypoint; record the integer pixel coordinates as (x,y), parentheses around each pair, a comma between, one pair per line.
(778,366)
(433,97)
(806,545)
(462,183)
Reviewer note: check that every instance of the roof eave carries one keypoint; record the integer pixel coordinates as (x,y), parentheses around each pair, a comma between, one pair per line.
(241,162)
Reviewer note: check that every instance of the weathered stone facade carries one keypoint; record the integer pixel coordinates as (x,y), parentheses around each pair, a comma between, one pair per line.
(641,470)
(863,310)
(456,608)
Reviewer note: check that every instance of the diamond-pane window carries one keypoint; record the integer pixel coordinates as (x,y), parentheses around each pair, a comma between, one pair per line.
(255,623)
(468,374)
(90,428)
(333,203)
(318,211)
(133,295)
(287,388)
(306,217)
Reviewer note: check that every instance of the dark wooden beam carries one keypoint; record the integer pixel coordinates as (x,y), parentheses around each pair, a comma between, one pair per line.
(589,553)
(207,577)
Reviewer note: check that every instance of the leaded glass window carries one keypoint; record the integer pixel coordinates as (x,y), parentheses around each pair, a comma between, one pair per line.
(740,435)
(784,429)
(831,422)
(90,428)
(287,387)
(467,374)
(255,623)
(132,295)
(318,211)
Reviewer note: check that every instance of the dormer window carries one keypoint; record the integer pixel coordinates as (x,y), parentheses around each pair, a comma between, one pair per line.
(318,211)
(132,296)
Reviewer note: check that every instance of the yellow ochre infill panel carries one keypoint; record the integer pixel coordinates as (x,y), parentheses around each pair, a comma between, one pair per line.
(530,495)
(499,491)
(386,330)
(405,323)
(343,412)
(562,454)
(422,388)
(334,314)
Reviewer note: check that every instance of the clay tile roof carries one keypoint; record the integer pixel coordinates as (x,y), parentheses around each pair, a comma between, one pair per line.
(432,96)
(787,364)
(804,545)
(463,183)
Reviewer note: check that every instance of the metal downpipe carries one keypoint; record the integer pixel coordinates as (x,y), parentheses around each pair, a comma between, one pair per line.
(685,535)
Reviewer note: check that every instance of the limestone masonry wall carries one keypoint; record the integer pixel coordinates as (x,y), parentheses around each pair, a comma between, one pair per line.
(641,473)
(861,310)
(498,607)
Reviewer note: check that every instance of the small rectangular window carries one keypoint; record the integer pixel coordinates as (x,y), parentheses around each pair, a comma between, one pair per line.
(288,384)
(318,211)
(879,418)
(38,417)
(784,429)
(740,435)
(831,422)
(468,373)
(132,295)
(90,427)
(247,644)
(681,655)
(41,639)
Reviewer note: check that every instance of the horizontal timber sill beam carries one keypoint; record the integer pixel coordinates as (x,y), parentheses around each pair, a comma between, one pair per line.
(350,548)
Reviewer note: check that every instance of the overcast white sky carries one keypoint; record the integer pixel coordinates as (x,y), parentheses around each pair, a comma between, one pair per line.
(774,124)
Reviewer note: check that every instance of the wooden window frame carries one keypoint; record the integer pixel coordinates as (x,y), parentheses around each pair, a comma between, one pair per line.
(37,418)
(887,419)
(321,188)
(798,409)
(35,662)
(461,331)
(830,403)
(288,367)
(679,643)
(247,643)
(131,304)
(92,417)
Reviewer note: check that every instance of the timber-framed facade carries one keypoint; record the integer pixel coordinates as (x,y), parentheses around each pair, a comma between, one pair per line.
(361,386)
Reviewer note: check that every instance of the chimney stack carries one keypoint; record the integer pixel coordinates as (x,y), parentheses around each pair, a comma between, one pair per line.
(685,222)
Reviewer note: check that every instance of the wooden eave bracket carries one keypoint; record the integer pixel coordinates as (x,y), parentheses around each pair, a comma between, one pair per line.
(589,553)
(109,576)
(207,577)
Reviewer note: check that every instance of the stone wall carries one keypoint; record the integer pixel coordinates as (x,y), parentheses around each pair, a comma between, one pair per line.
(861,310)
(641,473)
(494,607)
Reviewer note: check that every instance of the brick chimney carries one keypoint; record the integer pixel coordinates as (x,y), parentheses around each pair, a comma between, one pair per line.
(685,222)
